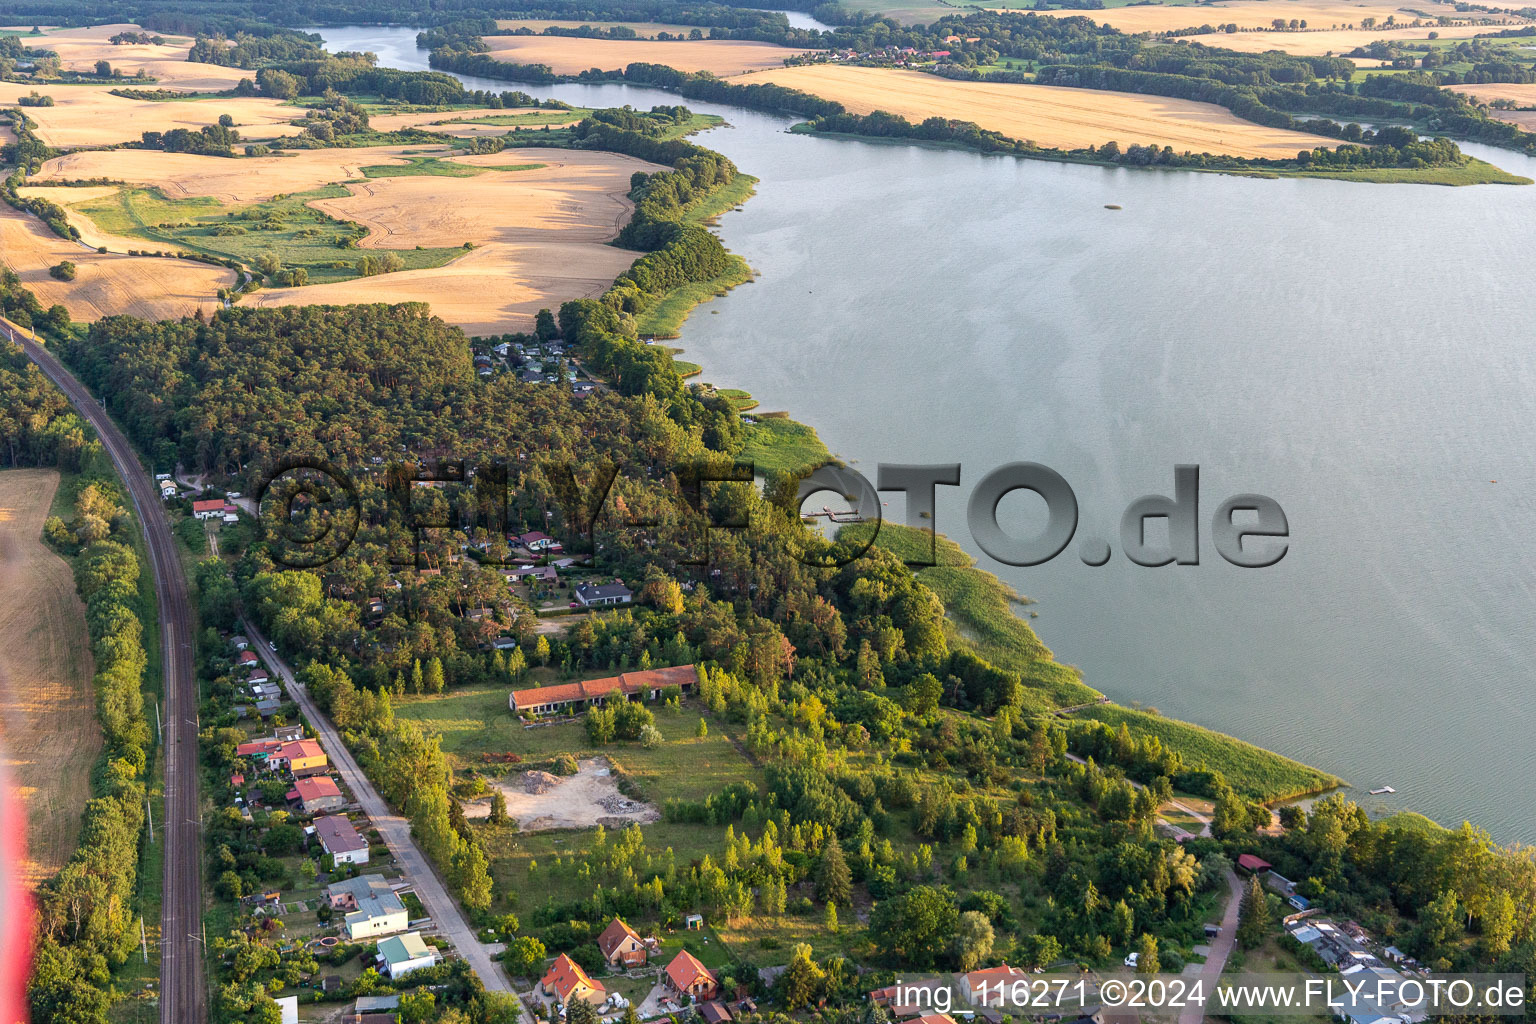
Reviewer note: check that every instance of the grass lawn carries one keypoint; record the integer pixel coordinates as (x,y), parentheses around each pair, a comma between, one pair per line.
(1253,771)
(285,227)
(1473,172)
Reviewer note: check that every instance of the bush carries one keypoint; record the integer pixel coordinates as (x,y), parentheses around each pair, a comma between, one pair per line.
(64,271)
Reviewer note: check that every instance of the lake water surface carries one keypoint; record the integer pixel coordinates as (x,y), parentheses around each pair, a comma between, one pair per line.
(1364,354)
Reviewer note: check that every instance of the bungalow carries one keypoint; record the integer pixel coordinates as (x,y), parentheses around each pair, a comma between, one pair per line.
(990,985)
(620,946)
(646,685)
(543,573)
(603,594)
(566,981)
(339,839)
(267,708)
(240,643)
(536,541)
(259,749)
(288,733)
(686,976)
(504,643)
(246,658)
(303,754)
(318,794)
(371,906)
(403,954)
(258,675)
(210,508)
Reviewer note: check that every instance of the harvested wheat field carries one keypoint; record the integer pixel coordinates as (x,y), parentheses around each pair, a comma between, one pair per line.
(1248,14)
(539,237)
(567,55)
(149,287)
(80,48)
(643,29)
(1330,43)
(89,115)
(458,123)
(239,180)
(1524,95)
(49,737)
(576,196)
(1047,115)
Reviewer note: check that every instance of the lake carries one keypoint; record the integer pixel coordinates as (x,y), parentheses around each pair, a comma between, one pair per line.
(1360,353)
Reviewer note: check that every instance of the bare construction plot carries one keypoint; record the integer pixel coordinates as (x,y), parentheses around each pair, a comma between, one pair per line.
(539,801)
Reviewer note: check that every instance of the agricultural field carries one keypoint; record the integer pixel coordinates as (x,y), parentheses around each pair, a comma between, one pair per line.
(1260,14)
(1046,115)
(1522,96)
(48,727)
(473,123)
(643,29)
(80,48)
(105,283)
(1328,42)
(89,115)
(567,55)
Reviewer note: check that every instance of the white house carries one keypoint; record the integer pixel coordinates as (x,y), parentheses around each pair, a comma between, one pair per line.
(603,594)
(372,906)
(403,954)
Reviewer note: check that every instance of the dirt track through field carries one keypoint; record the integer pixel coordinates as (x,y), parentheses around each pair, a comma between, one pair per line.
(49,737)
(1048,116)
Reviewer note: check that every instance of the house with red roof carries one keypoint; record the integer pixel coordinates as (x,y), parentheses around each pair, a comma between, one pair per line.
(990,986)
(317,794)
(571,697)
(685,975)
(566,981)
(620,946)
(211,508)
(1252,864)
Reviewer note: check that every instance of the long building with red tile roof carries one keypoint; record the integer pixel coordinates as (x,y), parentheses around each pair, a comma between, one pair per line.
(645,685)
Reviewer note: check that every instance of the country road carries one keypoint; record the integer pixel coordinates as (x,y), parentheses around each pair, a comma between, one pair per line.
(183,991)
(1221,949)
(395,829)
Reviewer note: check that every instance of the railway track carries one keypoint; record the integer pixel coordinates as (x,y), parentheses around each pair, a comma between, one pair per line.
(183,987)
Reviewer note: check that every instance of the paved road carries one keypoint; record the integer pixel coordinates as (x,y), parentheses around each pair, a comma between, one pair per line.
(1221,948)
(183,992)
(395,829)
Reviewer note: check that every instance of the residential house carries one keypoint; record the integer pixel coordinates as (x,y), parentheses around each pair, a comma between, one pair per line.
(542,573)
(268,708)
(303,756)
(317,794)
(211,508)
(990,985)
(368,1009)
(339,839)
(715,1013)
(246,658)
(403,954)
(620,946)
(288,733)
(685,975)
(261,750)
(239,642)
(566,981)
(603,595)
(370,905)
(1251,864)
(536,541)
(644,685)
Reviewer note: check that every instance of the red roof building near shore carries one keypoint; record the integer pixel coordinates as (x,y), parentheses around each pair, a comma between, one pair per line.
(647,685)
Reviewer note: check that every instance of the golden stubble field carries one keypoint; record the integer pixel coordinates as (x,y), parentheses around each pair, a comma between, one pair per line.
(80,48)
(1524,95)
(89,115)
(567,55)
(538,234)
(644,29)
(1247,14)
(1046,115)
(49,737)
(151,287)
